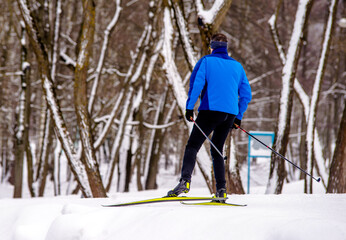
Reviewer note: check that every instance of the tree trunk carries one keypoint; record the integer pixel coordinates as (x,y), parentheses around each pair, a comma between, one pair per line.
(49,91)
(233,180)
(316,92)
(210,20)
(277,172)
(337,174)
(22,133)
(42,169)
(81,102)
(157,140)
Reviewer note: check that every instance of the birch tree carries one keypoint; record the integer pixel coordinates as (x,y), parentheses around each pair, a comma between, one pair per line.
(277,169)
(317,90)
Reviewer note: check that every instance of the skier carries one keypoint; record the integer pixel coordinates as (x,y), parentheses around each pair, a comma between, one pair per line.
(225,93)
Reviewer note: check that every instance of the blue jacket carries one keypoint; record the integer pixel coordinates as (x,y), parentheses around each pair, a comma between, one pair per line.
(222,83)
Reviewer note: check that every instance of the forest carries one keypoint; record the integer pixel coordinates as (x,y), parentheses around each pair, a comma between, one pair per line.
(93,92)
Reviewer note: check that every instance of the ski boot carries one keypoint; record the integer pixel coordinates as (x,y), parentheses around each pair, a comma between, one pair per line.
(221,193)
(182,187)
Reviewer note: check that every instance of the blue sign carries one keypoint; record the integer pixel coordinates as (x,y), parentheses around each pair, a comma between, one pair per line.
(256,149)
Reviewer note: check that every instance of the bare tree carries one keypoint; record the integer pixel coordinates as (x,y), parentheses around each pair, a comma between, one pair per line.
(277,168)
(48,85)
(317,91)
(22,130)
(109,82)
(81,102)
(337,175)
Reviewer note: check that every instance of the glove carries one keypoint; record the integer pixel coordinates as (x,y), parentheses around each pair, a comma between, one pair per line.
(236,121)
(189,114)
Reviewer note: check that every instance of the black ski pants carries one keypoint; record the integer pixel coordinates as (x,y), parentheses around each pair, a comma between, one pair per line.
(209,121)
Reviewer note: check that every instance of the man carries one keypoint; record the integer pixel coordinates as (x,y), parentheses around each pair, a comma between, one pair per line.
(225,93)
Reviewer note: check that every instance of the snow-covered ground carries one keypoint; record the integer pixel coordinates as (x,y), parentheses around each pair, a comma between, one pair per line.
(286,216)
(290,216)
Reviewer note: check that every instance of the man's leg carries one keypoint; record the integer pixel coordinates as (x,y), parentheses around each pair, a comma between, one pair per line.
(206,122)
(219,138)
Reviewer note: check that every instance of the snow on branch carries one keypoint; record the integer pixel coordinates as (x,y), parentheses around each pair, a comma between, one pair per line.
(317,89)
(172,73)
(289,66)
(109,122)
(77,167)
(275,181)
(184,35)
(210,15)
(64,136)
(107,33)
(68,60)
(158,126)
(275,36)
(175,81)
(56,39)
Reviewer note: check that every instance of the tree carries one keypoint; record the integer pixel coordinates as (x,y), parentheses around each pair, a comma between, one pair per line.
(277,168)
(48,85)
(108,86)
(337,175)
(317,91)
(81,102)
(22,130)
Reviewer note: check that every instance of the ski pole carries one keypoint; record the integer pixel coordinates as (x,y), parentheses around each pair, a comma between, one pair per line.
(208,139)
(316,179)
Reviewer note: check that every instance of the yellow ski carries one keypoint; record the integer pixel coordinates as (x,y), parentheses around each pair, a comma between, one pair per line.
(164,199)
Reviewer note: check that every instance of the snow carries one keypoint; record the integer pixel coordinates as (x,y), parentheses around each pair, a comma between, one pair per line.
(342,22)
(304,99)
(185,36)
(288,73)
(317,88)
(288,68)
(209,15)
(56,40)
(174,80)
(65,137)
(25,65)
(287,216)
(107,32)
